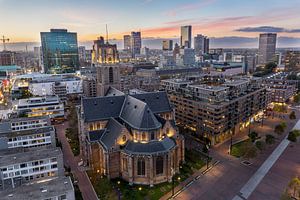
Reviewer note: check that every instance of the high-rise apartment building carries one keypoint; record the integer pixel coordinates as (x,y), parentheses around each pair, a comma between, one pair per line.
(60,51)
(267,47)
(127,43)
(186,37)
(167,45)
(136,43)
(292,61)
(7,58)
(201,44)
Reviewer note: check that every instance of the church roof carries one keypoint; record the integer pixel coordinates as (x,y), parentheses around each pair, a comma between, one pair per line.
(111,134)
(114,92)
(138,115)
(102,108)
(149,148)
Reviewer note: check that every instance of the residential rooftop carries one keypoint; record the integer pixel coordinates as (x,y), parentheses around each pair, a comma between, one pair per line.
(13,156)
(39,190)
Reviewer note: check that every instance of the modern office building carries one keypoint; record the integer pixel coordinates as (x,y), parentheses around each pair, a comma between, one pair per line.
(167,45)
(186,57)
(201,44)
(267,47)
(104,53)
(136,43)
(186,37)
(292,61)
(20,166)
(60,51)
(132,137)
(44,136)
(127,43)
(60,188)
(40,106)
(215,107)
(19,124)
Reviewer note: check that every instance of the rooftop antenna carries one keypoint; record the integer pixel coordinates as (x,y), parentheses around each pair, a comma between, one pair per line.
(106,34)
(4,40)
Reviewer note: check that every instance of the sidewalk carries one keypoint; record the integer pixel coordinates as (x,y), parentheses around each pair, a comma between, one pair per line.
(189,181)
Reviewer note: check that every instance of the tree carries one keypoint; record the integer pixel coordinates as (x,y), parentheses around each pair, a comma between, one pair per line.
(253,136)
(270,139)
(260,145)
(279,129)
(270,66)
(294,185)
(293,115)
(293,135)
(296,98)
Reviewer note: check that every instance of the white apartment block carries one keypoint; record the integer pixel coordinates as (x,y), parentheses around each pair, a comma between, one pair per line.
(19,124)
(28,138)
(40,106)
(19,167)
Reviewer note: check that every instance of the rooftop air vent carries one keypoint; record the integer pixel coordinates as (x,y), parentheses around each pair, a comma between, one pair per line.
(135,106)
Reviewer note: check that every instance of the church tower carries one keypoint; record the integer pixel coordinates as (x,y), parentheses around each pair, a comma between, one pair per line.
(107,76)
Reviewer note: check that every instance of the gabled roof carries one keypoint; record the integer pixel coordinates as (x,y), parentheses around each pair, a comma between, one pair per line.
(138,115)
(150,147)
(101,108)
(111,134)
(95,136)
(158,102)
(113,92)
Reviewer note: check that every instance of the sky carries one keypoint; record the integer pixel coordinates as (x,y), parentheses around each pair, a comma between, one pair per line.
(23,20)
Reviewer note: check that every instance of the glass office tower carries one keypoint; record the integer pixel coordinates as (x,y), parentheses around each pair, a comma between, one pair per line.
(60,51)
(186,37)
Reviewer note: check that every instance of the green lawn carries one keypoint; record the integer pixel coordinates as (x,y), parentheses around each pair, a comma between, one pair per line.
(238,149)
(108,189)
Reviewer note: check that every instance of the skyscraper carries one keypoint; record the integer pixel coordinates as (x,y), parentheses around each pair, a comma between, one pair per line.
(201,44)
(267,47)
(167,45)
(127,42)
(60,51)
(186,37)
(136,43)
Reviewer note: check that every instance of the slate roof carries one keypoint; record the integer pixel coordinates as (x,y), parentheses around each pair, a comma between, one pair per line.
(150,147)
(95,136)
(111,134)
(114,92)
(102,108)
(138,115)
(158,102)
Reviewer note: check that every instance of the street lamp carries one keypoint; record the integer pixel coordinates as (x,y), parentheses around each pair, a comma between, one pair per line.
(207,161)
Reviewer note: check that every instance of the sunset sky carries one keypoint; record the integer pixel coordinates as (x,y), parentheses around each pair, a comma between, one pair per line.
(23,20)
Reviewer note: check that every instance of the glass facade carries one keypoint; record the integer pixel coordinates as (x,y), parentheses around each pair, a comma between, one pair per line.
(186,37)
(60,51)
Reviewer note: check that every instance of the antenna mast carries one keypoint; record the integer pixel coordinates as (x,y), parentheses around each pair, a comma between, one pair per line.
(106,34)
(4,40)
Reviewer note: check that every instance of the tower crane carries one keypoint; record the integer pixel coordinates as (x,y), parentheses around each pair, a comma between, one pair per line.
(4,40)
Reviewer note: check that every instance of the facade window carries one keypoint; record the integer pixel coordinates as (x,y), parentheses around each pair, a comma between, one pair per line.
(152,135)
(111,75)
(159,165)
(141,167)
(143,136)
(125,166)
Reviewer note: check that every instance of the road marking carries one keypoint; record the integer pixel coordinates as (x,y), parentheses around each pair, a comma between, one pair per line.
(253,182)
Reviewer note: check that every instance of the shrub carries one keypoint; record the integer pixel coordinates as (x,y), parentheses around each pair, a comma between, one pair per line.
(260,145)
(270,139)
(279,129)
(293,115)
(253,136)
(293,135)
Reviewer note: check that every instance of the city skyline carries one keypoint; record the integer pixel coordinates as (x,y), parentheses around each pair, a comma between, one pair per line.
(160,19)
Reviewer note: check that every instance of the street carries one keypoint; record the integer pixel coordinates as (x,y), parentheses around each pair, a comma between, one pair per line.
(225,180)
(84,183)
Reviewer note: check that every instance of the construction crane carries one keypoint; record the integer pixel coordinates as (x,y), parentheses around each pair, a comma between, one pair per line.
(4,40)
